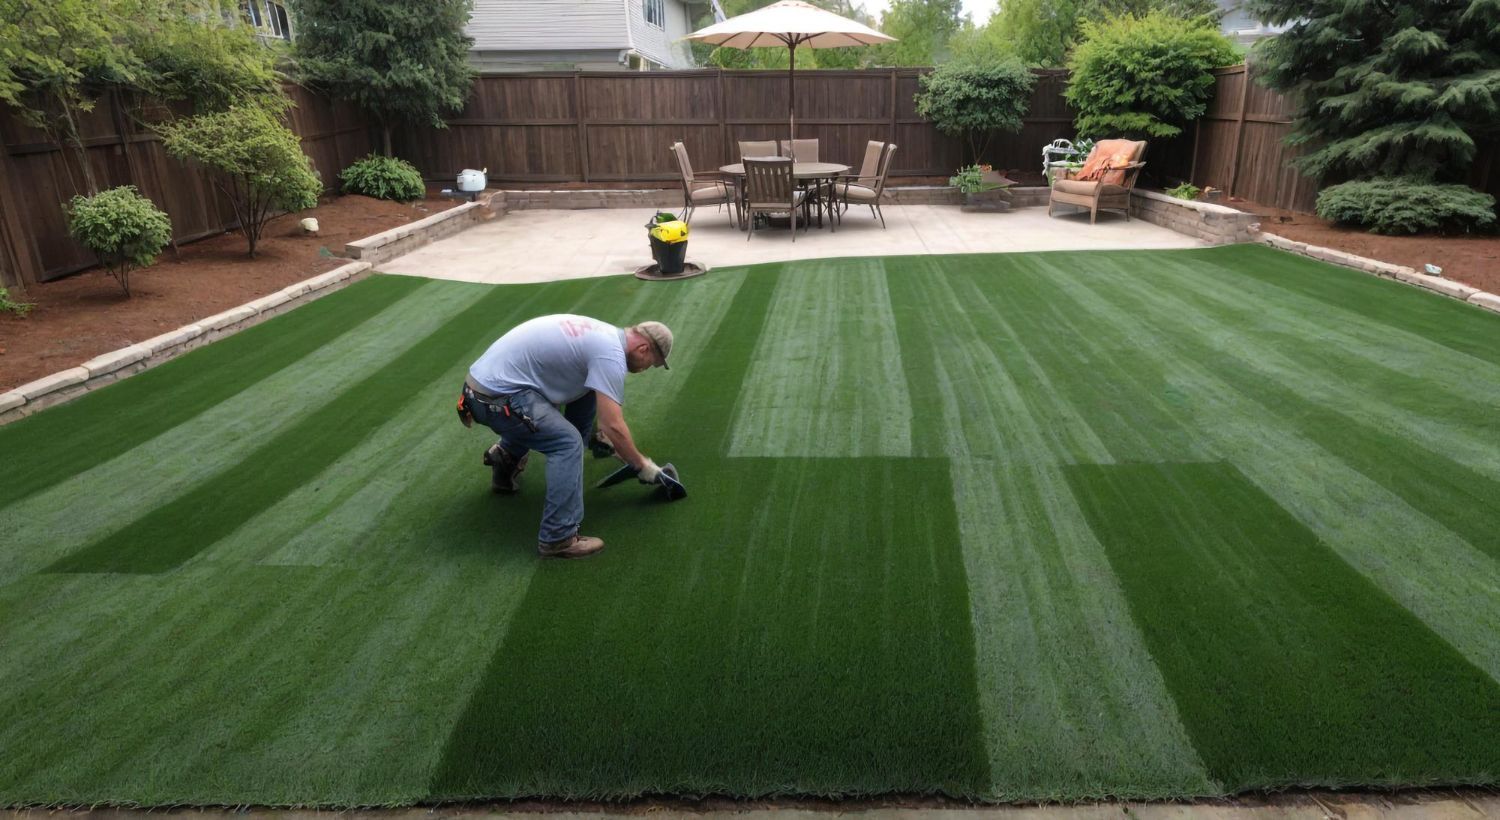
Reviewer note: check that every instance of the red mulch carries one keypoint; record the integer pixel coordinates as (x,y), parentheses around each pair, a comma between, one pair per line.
(80,317)
(1473,259)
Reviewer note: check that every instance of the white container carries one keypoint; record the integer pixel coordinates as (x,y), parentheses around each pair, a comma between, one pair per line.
(470,180)
(309,225)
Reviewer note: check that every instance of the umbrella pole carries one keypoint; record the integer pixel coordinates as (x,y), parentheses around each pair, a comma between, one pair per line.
(791,87)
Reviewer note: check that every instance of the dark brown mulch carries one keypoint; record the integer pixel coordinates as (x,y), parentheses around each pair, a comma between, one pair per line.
(80,317)
(1472,259)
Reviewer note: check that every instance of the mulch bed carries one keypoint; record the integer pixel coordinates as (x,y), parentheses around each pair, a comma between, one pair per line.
(80,317)
(1471,259)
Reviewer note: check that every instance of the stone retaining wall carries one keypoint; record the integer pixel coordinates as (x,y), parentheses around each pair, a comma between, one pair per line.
(127,361)
(1214,224)
(403,239)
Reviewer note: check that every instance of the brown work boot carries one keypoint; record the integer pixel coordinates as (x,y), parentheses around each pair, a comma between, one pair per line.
(576,546)
(506,470)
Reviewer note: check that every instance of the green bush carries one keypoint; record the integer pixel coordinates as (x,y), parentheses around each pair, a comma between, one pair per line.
(975,99)
(265,173)
(1392,205)
(1141,77)
(124,229)
(1186,190)
(384,178)
(9,305)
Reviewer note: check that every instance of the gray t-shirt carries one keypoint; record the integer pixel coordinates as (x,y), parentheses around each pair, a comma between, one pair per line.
(560,356)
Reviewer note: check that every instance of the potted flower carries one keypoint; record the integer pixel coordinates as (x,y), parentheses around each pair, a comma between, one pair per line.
(983,188)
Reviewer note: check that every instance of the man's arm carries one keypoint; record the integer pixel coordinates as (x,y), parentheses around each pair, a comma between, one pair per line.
(612,425)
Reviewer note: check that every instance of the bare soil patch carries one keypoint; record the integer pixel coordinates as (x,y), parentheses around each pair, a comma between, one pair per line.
(82,316)
(1473,260)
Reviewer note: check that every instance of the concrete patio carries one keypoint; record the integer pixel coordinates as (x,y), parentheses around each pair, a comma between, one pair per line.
(544,246)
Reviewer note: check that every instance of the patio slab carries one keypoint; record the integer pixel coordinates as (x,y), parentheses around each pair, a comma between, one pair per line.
(544,246)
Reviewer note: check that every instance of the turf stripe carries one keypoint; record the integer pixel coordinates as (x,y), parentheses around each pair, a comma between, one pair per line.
(1442,320)
(1288,667)
(1461,498)
(88,506)
(1073,705)
(44,449)
(781,641)
(831,344)
(1442,579)
(174,532)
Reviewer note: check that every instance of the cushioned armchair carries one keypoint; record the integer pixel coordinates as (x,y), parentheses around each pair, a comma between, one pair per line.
(1105,180)
(699,189)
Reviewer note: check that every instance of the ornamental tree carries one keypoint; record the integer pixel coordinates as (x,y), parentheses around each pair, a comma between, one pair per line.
(973,100)
(265,174)
(1141,77)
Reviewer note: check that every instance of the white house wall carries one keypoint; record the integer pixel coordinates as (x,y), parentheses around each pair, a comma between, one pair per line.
(660,45)
(551,25)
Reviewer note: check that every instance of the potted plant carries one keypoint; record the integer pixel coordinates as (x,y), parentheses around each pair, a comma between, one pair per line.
(983,188)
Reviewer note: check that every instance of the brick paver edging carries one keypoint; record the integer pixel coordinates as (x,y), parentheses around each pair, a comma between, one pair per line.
(1401,273)
(127,361)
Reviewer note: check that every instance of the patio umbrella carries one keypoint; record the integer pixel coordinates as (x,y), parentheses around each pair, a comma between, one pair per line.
(790,23)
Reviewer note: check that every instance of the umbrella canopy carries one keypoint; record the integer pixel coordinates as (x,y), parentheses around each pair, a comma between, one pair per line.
(790,24)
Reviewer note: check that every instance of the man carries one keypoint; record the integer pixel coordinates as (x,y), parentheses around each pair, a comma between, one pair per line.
(517,387)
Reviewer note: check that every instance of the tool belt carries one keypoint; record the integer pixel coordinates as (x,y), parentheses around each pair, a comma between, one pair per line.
(499,402)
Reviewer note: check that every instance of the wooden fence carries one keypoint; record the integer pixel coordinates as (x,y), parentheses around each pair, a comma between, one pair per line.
(608,128)
(37,176)
(614,127)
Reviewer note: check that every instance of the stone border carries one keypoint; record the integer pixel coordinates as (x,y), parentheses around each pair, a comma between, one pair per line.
(671,198)
(1214,224)
(127,361)
(1386,270)
(403,239)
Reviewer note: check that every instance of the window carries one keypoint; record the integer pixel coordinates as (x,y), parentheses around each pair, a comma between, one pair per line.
(276,12)
(656,12)
(251,10)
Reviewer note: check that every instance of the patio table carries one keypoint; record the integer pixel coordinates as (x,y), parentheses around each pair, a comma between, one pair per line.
(801,171)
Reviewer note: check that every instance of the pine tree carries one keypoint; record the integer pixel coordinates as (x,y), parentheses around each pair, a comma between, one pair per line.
(1387,88)
(399,60)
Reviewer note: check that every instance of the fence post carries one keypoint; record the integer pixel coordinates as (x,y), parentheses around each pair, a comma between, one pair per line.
(583,128)
(725,154)
(1239,131)
(892,137)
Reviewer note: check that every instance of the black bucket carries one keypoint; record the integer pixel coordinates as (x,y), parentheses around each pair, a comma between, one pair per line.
(670,256)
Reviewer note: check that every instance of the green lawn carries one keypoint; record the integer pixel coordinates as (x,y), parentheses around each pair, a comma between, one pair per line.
(1015,527)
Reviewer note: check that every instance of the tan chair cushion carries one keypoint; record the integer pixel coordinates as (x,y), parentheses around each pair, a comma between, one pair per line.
(854,193)
(709,194)
(1075,186)
(870,168)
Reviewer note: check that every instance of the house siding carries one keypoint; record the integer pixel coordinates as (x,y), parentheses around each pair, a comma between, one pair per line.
(661,45)
(550,25)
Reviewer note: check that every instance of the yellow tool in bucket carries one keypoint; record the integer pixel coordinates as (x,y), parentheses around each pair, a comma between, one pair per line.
(670,232)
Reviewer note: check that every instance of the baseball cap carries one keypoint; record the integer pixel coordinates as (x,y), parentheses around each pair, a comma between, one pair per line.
(660,337)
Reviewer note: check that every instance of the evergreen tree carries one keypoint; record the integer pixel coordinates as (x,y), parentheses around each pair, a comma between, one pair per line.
(399,60)
(1387,89)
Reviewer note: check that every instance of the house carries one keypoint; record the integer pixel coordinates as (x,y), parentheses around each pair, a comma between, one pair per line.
(609,35)
(268,18)
(1241,26)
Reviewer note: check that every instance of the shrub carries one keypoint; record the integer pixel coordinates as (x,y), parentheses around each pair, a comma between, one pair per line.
(1395,206)
(124,229)
(975,99)
(265,173)
(384,178)
(8,305)
(1142,77)
(1186,190)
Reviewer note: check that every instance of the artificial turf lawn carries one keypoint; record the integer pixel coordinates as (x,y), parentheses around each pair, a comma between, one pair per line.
(1005,527)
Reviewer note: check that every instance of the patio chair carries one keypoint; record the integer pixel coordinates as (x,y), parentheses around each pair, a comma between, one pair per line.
(698,189)
(1105,180)
(800,150)
(757,149)
(769,188)
(866,188)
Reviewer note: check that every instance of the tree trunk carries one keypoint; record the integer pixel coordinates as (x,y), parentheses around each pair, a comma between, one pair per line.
(90,184)
(385,133)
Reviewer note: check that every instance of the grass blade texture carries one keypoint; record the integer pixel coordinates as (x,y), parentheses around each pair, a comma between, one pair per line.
(1288,667)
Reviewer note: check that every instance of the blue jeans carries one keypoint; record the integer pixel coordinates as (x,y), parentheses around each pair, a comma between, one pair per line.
(559,435)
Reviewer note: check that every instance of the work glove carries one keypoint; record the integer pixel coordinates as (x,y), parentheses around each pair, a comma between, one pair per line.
(648,472)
